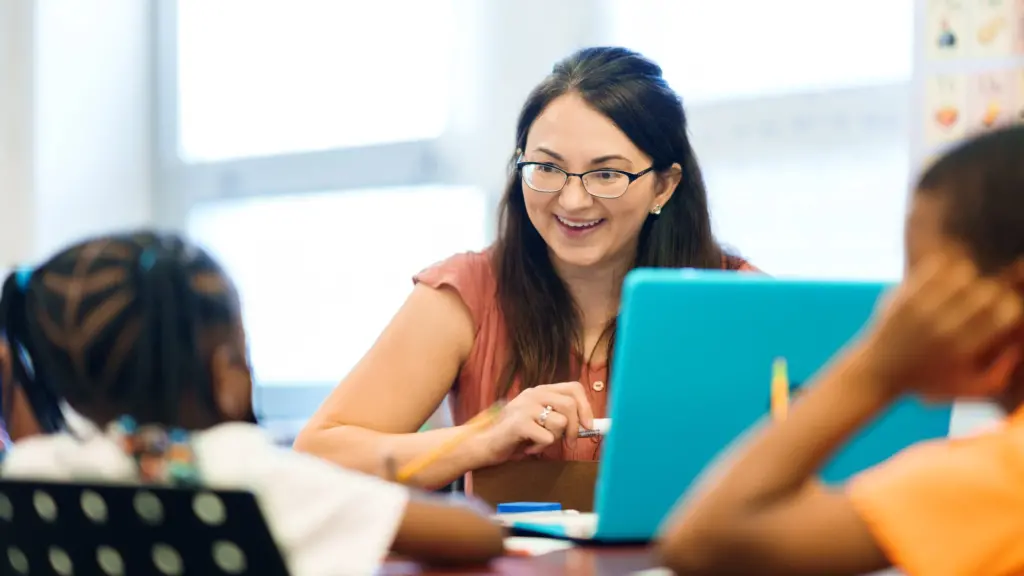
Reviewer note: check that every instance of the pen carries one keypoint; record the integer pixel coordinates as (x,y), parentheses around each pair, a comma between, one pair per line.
(780,390)
(601,428)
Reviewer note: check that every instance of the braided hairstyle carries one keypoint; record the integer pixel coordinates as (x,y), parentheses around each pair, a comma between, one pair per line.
(123,325)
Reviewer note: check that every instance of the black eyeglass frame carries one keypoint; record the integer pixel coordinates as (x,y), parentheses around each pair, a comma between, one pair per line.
(632,176)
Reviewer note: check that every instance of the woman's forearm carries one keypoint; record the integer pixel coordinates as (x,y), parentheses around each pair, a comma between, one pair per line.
(369,451)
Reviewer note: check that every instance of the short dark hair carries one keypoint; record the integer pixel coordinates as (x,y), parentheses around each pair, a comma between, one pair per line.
(123,322)
(981,181)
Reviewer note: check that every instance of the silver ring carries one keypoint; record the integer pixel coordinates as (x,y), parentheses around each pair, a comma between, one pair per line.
(543,418)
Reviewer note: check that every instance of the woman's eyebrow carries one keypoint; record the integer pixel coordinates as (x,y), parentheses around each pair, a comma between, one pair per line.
(609,157)
(595,161)
(551,153)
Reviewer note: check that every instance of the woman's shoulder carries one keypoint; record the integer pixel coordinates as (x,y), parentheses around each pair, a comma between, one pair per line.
(738,264)
(469,274)
(463,263)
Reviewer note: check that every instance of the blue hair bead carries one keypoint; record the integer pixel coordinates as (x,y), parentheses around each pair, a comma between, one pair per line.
(147,259)
(22,277)
(127,424)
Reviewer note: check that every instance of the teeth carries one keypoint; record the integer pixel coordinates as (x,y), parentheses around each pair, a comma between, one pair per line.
(578,224)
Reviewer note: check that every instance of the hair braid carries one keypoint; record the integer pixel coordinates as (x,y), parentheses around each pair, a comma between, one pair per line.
(122,324)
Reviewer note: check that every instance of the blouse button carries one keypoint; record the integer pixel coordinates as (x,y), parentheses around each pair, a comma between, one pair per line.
(598,386)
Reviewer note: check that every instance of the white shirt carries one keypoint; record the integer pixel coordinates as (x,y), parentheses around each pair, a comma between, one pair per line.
(326,520)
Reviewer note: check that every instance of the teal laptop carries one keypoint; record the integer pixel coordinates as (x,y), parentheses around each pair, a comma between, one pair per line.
(691,372)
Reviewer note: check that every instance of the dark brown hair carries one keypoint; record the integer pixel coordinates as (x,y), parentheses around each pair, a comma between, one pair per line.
(981,182)
(541,318)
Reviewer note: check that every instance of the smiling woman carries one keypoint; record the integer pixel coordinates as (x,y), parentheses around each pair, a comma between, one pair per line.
(603,179)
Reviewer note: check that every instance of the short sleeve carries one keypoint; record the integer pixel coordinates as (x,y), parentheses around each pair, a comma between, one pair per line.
(471,275)
(327,520)
(63,457)
(734,263)
(949,508)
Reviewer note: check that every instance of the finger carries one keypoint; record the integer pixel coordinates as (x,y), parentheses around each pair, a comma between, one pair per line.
(944,286)
(993,314)
(575,389)
(564,405)
(930,267)
(556,423)
(539,438)
(959,323)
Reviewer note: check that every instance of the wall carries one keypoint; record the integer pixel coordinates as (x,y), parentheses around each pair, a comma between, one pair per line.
(16,150)
(75,146)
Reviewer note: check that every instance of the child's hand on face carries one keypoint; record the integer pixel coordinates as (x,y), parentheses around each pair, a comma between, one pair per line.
(946,331)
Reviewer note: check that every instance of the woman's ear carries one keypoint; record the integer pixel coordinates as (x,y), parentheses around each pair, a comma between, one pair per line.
(231,381)
(668,181)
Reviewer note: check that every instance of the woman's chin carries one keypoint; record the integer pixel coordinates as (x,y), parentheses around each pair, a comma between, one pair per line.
(580,256)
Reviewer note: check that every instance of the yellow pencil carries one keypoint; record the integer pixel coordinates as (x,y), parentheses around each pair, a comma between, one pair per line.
(476,424)
(780,389)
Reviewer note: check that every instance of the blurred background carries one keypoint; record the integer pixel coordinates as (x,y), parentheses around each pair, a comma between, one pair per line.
(326,150)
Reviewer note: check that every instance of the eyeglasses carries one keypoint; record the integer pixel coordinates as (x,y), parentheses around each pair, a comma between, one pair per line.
(603,183)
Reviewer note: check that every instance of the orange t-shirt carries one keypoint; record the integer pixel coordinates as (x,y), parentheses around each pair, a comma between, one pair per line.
(952,507)
(471,275)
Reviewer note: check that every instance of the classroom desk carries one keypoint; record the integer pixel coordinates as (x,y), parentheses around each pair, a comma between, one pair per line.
(573,562)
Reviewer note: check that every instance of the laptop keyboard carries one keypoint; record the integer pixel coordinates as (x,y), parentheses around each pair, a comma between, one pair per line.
(574,524)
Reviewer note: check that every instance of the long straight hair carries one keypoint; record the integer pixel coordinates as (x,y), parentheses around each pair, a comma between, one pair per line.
(543,321)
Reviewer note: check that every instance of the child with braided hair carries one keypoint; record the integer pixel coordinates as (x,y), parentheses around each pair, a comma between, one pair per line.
(141,335)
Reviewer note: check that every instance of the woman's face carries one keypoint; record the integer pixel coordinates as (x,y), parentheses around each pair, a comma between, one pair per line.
(582,230)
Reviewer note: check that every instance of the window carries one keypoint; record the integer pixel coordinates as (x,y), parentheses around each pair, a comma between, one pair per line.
(746,48)
(259,78)
(798,114)
(321,275)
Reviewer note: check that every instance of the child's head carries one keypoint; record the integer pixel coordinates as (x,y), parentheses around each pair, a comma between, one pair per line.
(972,199)
(971,202)
(142,325)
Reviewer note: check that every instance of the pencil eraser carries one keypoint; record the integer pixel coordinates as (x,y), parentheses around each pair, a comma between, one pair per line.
(520,507)
(602,425)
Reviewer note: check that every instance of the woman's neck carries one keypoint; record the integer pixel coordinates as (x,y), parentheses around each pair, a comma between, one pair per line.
(595,289)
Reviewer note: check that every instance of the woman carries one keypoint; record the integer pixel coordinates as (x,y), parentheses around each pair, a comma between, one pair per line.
(604,180)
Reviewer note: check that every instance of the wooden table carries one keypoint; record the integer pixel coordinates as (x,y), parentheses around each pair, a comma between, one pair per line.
(572,562)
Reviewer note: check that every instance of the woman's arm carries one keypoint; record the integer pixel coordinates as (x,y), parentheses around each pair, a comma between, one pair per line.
(376,411)
(765,512)
(437,532)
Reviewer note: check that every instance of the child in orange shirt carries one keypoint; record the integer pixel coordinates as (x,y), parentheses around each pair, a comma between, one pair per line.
(953,328)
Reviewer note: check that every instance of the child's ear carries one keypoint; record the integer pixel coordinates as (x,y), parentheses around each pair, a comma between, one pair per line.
(231,381)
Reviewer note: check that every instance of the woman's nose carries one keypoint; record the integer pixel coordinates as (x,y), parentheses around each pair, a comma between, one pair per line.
(574,195)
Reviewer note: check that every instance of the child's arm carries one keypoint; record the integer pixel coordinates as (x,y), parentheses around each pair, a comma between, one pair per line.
(766,514)
(438,532)
(946,327)
(330,520)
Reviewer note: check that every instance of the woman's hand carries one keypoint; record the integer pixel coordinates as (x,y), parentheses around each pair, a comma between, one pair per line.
(946,331)
(537,418)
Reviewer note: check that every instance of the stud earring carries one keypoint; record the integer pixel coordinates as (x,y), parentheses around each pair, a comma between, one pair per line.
(656,210)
